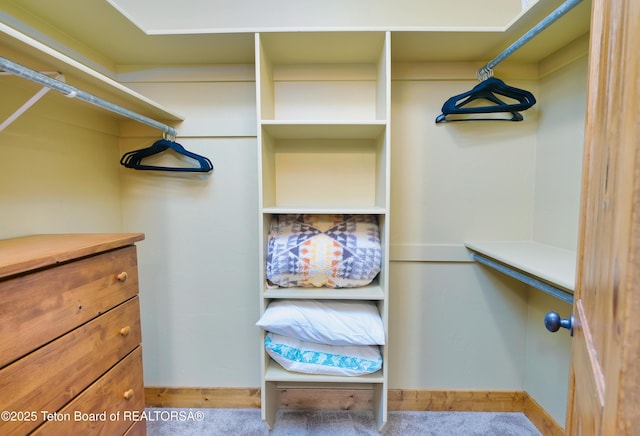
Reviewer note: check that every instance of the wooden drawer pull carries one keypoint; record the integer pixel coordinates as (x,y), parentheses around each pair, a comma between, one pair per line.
(128,394)
(122,277)
(124,331)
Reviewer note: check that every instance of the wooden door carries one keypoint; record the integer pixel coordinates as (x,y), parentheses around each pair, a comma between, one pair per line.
(604,389)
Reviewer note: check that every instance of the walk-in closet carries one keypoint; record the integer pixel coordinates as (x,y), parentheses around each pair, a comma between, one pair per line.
(368,206)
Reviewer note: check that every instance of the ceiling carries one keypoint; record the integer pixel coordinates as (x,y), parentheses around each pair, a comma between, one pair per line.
(96,30)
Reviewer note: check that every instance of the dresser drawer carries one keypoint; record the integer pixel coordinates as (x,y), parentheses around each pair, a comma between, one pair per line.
(106,406)
(39,307)
(138,429)
(50,377)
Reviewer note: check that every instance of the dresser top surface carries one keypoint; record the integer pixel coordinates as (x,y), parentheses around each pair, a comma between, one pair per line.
(26,253)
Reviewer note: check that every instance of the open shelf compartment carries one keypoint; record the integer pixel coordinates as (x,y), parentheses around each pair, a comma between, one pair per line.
(322,75)
(333,172)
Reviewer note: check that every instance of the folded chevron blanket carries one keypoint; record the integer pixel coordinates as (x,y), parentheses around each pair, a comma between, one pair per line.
(335,251)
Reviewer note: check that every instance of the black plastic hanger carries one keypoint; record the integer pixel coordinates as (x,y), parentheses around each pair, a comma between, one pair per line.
(489,90)
(132,159)
(515,116)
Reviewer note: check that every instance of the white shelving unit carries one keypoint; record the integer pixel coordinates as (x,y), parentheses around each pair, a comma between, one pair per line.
(323,138)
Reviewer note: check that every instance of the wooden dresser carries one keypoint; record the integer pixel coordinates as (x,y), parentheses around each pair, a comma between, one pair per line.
(70,353)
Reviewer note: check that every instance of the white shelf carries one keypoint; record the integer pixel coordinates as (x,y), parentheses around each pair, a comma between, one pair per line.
(79,75)
(324,129)
(551,264)
(276,373)
(371,292)
(280,210)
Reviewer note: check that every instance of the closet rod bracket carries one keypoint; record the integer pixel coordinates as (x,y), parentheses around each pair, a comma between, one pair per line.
(73,92)
(33,100)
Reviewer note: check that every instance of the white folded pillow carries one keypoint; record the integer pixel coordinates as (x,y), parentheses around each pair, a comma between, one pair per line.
(331,322)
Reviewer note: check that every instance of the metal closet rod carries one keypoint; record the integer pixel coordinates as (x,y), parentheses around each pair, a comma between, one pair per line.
(73,92)
(486,71)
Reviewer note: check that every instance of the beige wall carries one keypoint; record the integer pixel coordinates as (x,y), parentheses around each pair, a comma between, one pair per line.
(198,264)
(467,326)
(559,155)
(455,326)
(559,151)
(59,166)
(453,182)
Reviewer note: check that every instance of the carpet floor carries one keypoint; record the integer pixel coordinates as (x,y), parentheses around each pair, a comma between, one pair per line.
(294,422)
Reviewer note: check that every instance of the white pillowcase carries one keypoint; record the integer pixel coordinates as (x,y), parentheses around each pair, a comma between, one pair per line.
(332,322)
(310,358)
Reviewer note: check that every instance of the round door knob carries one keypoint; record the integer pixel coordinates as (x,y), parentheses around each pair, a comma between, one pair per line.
(553,322)
(123,276)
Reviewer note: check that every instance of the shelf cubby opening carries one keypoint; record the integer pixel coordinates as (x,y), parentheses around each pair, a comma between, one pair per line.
(323,173)
(323,76)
